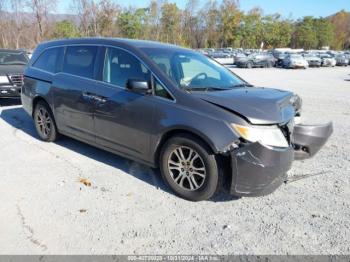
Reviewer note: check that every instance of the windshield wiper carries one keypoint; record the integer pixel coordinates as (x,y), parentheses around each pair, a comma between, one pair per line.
(186,89)
(14,63)
(205,89)
(212,88)
(243,85)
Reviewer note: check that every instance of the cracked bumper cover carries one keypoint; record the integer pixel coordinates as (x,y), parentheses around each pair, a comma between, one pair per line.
(258,170)
(309,139)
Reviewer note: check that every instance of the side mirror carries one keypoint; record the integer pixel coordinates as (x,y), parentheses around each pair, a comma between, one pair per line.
(139,86)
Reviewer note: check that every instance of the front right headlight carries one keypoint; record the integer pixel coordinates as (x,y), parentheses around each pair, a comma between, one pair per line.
(266,135)
(4,80)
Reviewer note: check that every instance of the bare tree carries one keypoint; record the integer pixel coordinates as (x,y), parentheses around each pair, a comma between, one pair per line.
(17,7)
(40,9)
(154,20)
(3,25)
(87,11)
(107,16)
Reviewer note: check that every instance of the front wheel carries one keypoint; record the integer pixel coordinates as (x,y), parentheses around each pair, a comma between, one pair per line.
(249,65)
(190,168)
(44,122)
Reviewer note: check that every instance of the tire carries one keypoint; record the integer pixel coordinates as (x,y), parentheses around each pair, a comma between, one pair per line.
(249,65)
(180,177)
(45,123)
(269,65)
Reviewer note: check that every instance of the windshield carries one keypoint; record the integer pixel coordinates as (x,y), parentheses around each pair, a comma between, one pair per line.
(193,71)
(13,58)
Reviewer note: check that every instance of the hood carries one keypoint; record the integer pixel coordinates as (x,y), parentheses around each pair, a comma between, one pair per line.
(261,106)
(11,69)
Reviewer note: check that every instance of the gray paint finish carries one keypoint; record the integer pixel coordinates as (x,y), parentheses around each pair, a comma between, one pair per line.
(135,124)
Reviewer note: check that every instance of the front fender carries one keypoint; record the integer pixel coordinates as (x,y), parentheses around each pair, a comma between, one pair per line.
(215,132)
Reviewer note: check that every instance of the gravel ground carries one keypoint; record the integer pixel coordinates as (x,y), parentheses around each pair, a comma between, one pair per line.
(46,209)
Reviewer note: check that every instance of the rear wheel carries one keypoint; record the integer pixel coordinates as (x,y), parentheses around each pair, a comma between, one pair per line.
(44,122)
(189,168)
(249,65)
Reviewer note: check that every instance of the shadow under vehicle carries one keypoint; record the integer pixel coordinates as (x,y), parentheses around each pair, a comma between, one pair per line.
(169,108)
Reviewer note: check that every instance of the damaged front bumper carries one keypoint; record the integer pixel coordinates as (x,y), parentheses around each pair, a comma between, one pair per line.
(258,170)
(309,139)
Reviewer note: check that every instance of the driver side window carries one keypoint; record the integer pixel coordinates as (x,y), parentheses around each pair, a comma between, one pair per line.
(195,68)
(120,66)
(160,91)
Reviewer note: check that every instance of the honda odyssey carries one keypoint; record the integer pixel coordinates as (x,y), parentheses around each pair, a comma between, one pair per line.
(172,108)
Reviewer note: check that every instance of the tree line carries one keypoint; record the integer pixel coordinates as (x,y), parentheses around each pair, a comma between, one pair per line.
(25,23)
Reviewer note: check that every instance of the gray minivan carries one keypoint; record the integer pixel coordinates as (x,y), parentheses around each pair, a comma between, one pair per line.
(172,108)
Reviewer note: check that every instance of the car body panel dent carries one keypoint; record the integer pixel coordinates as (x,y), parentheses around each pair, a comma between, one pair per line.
(258,170)
(258,105)
(171,117)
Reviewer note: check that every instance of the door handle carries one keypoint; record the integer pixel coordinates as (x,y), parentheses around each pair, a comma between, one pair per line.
(88,95)
(97,98)
(100,99)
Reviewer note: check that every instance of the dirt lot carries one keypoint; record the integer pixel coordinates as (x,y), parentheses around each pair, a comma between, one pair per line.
(127,209)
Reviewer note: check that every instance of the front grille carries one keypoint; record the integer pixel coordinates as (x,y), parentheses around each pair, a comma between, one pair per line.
(17,80)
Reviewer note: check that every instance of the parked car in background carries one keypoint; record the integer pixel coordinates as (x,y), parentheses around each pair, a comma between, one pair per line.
(328,60)
(295,61)
(222,58)
(347,55)
(341,60)
(256,60)
(171,108)
(313,60)
(27,52)
(12,64)
(279,56)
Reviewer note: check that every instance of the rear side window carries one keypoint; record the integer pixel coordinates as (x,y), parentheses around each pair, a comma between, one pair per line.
(80,60)
(47,61)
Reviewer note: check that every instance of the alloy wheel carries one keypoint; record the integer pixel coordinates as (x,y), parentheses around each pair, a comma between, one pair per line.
(187,168)
(44,122)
